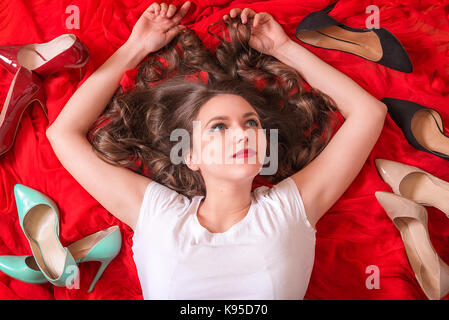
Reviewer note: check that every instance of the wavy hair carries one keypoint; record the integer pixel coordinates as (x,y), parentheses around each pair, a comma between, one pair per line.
(134,129)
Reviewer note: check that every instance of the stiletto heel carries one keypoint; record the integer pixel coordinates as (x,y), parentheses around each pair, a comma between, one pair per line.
(101,246)
(25,88)
(422,127)
(82,72)
(40,98)
(39,220)
(100,271)
(79,71)
(65,51)
(410,218)
(415,184)
(378,45)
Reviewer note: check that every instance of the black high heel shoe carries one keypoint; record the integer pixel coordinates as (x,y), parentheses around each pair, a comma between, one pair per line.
(378,45)
(423,127)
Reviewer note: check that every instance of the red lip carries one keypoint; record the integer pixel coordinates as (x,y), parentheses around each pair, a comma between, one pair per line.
(245,153)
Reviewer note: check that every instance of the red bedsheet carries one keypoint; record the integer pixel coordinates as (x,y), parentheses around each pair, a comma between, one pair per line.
(354,235)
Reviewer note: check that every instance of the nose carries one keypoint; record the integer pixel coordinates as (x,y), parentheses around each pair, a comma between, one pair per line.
(241,134)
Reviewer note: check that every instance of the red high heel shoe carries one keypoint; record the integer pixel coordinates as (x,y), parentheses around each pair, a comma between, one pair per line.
(26,87)
(63,52)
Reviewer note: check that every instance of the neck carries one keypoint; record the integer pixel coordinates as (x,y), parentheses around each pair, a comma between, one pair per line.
(226,202)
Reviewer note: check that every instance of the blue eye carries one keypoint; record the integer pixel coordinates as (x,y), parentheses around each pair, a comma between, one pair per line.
(215,126)
(255,122)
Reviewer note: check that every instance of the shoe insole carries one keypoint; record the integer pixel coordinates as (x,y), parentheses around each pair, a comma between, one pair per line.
(80,248)
(364,44)
(39,224)
(420,254)
(34,55)
(419,187)
(31,263)
(426,130)
(8,98)
(437,118)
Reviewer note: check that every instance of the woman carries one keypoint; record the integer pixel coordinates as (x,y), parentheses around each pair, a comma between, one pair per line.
(199,231)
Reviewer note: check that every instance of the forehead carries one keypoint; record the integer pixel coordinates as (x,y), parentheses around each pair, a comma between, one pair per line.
(224,105)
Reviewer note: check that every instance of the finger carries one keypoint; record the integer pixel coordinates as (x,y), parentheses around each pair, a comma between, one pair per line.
(226,17)
(171,10)
(258,19)
(234,12)
(174,31)
(181,12)
(247,13)
(164,8)
(155,8)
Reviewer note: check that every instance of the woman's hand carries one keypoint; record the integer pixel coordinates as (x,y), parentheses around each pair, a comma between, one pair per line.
(157,26)
(267,35)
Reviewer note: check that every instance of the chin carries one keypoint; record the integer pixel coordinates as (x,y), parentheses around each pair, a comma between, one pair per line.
(240,171)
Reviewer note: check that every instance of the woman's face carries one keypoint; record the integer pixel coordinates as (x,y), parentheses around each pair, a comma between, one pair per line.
(228,140)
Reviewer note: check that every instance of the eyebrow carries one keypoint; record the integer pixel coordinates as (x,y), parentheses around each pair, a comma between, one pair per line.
(225,117)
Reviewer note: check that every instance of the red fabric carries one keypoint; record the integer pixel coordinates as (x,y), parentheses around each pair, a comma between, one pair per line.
(354,234)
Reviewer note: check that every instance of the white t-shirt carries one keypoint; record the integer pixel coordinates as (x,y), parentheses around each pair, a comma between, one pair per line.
(269,254)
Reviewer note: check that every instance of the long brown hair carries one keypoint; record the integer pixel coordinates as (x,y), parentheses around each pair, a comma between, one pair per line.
(134,130)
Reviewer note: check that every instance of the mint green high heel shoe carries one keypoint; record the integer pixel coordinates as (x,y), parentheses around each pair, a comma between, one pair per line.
(101,246)
(23,268)
(39,220)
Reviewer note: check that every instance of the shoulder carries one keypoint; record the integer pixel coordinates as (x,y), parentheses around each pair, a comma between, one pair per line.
(284,199)
(158,197)
(160,202)
(279,190)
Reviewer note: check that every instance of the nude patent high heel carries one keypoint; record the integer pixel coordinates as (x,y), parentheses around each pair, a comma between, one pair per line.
(65,52)
(415,184)
(102,246)
(378,45)
(39,220)
(410,218)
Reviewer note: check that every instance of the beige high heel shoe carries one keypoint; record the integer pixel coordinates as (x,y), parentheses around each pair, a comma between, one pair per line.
(415,184)
(410,218)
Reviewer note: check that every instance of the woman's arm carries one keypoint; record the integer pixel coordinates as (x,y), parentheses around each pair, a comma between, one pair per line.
(322,182)
(268,36)
(347,94)
(155,28)
(89,101)
(117,189)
